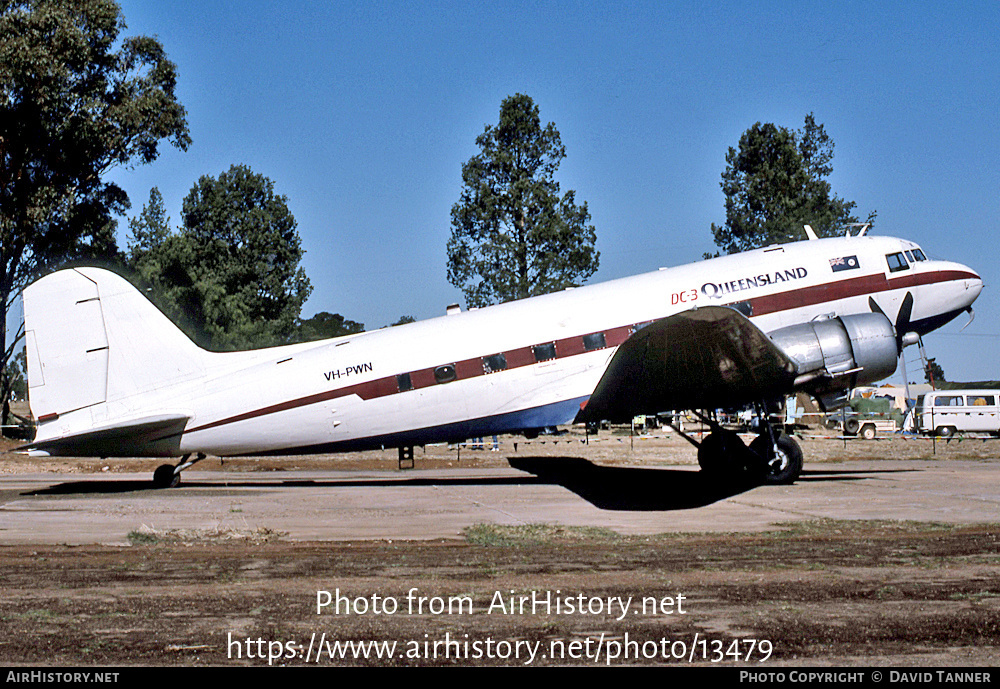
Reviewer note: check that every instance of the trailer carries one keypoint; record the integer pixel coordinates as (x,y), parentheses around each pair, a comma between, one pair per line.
(860,426)
(866,418)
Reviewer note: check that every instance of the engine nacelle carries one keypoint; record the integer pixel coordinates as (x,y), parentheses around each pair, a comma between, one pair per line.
(836,354)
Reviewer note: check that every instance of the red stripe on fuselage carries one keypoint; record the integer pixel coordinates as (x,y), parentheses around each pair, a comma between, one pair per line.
(843,289)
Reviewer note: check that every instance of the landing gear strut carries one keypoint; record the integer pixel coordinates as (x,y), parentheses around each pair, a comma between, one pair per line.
(781,459)
(771,458)
(168,476)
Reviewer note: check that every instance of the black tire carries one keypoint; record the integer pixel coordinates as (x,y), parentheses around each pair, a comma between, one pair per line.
(783,467)
(946,431)
(851,426)
(719,454)
(164,476)
(868,432)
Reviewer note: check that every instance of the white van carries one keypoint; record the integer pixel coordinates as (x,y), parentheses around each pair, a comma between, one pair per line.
(946,412)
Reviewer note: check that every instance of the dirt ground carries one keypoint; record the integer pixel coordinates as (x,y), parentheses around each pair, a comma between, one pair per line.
(813,593)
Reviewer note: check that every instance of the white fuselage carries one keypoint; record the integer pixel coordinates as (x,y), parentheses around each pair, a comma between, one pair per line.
(439,379)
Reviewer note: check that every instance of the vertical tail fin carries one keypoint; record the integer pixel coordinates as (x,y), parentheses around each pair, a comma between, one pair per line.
(67,344)
(98,351)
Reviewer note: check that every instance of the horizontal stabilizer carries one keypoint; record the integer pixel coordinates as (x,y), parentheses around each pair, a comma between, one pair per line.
(153,436)
(705,358)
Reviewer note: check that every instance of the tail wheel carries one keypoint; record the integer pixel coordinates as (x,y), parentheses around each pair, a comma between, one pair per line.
(782,465)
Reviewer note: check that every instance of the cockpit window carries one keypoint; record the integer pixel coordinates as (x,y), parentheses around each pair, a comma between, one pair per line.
(909,256)
(897,262)
(919,255)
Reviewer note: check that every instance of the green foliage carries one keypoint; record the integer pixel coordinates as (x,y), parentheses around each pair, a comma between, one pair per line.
(142,538)
(513,236)
(775,183)
(324,326)
(76,100)
(967,385)
(150,228)
(933,373)
(520,535)
(71,108)
(230,276)
(17,369)
(162,263)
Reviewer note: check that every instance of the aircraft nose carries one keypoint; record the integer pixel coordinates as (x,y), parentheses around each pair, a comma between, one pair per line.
(960,286)
(973,284)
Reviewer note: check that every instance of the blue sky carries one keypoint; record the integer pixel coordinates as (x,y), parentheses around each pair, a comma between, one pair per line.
(362,113)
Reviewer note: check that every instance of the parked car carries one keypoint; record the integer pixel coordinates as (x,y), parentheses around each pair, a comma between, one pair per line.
(947,412)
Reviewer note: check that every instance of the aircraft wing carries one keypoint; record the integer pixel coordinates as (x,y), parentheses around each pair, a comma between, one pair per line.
(153,436)
(706,358)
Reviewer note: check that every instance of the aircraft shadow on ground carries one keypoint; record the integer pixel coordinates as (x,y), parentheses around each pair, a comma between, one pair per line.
(608,488)
(111,487)
(648,489)
(635,489)
(814,475)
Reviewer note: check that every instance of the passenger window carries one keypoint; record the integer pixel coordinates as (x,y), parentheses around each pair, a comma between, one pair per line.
(403,382)
(445,374)
(980,400)
(897,262)
(948,401)
(544,352)
(494,363)
(594,341)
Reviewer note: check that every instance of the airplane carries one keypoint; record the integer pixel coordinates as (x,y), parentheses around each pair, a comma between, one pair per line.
(110,375)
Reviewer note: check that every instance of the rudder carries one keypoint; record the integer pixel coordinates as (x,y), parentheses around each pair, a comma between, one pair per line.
(92,339)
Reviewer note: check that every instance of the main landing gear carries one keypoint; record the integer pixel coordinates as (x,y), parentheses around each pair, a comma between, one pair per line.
(168,476)
(782,457)
(771,457)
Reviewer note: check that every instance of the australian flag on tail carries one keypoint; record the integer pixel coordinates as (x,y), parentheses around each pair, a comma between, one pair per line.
(844,263)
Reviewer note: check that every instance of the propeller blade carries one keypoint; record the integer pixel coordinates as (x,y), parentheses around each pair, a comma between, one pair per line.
(903,317)
(873,305)
(906,379)
(902,324)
